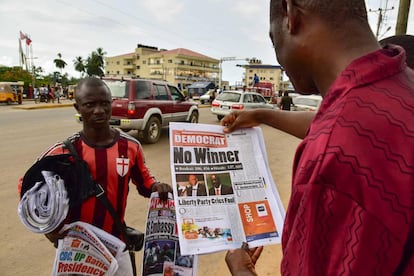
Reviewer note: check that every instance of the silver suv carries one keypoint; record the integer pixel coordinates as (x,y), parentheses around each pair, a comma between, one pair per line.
(147,105)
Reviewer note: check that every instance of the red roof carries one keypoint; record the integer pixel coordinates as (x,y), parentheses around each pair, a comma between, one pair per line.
(185,52)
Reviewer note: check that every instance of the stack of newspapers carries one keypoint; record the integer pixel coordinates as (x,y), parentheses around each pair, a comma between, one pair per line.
(87,250)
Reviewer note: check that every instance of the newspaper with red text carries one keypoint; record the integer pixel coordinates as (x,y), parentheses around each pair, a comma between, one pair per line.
(87,250)
(223,190)
(161,245)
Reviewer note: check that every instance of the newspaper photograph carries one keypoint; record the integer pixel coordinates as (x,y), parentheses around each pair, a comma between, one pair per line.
(87,250)
(224,192)
(162,255)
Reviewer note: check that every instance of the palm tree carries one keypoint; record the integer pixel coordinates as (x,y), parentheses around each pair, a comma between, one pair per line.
(94,65)
(59,62)
(79,65)
(101,54)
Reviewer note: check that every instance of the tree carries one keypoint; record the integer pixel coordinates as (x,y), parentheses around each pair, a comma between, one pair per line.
(79,65)
(95,63)
(59,62)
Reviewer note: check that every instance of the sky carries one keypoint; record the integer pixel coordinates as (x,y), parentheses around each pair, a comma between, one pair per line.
(216,28)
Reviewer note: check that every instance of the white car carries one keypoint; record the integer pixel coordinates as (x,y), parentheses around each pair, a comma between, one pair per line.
(307,103)
(229,101)
(207,97)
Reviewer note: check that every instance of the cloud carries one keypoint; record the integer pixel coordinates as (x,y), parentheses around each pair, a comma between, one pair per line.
(164,10)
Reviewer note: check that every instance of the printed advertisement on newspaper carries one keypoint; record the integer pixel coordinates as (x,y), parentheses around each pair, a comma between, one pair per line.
(87,250)
(223,190)
(161,245)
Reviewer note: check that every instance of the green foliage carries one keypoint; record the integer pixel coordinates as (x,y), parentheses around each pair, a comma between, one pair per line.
(15,74)
(93,65)
(59,62)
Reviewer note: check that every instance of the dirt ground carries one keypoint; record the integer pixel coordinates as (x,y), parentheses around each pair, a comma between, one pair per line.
(26,253)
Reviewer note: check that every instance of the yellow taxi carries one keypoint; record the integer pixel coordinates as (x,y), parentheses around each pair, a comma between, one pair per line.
(9,95)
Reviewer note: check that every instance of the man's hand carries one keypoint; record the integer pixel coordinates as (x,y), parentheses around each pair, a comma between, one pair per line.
(242,261)
(163,189)
(55,235)
(236,120)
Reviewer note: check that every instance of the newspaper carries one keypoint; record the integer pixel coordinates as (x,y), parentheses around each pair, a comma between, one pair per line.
(161,247)
(87,250)
(223,190)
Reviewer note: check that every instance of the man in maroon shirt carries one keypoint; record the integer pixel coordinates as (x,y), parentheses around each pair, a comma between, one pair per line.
(351,210)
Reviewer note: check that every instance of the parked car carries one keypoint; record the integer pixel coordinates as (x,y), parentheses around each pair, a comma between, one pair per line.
(207,97)
(147,106)
(307,103)
(229,101)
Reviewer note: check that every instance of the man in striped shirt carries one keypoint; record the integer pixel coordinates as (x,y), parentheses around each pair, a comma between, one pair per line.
(114,159)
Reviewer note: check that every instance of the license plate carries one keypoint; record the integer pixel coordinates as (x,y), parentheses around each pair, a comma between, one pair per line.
(114,122)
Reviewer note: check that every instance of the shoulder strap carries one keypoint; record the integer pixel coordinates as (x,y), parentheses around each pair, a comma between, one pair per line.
(100,194)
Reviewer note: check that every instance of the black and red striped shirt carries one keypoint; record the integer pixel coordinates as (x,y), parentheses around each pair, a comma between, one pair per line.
(112,166)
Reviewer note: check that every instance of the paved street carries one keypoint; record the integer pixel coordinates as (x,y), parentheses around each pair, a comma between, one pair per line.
(25,133)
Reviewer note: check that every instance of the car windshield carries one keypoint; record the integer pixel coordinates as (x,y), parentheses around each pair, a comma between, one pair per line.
(229,97)
(118,89)
(306,101)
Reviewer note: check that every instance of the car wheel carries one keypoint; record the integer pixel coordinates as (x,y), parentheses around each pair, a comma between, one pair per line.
(152,130)
(219,117)
(193,117)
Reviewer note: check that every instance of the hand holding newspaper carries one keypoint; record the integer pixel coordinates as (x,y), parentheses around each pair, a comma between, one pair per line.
(223,190)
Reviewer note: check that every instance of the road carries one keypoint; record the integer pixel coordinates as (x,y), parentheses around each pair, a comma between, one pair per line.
(26,133)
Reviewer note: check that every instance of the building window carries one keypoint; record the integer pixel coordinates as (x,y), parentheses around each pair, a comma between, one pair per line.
(117,72)
(137,56)
(170,61)
(128,72)
(117,63)
(271,78)
(250,71)
(138,67)
(144,62)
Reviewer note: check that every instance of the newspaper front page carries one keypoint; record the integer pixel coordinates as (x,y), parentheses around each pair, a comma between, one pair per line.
(223,190)
(161,245)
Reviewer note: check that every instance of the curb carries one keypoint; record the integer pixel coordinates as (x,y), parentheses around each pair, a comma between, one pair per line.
(42,106)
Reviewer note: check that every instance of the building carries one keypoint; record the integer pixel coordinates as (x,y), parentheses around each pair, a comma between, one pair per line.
(179,66)
(266,73)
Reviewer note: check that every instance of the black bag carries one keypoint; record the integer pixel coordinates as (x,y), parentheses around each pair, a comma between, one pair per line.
(135,239)
(75,173)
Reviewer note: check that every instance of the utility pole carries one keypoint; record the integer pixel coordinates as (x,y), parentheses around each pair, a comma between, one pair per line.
(402,19)
(381,17)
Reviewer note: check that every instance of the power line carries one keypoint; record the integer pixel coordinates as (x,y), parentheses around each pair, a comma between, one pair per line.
(382,18)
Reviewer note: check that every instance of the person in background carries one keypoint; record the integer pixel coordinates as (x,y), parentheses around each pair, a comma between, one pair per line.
(255,79)
(114,159)
(286,102)
(351,210)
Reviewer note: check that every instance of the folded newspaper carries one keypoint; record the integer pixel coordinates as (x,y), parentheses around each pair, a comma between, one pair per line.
(223,189)
(161,246)
(87,250)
